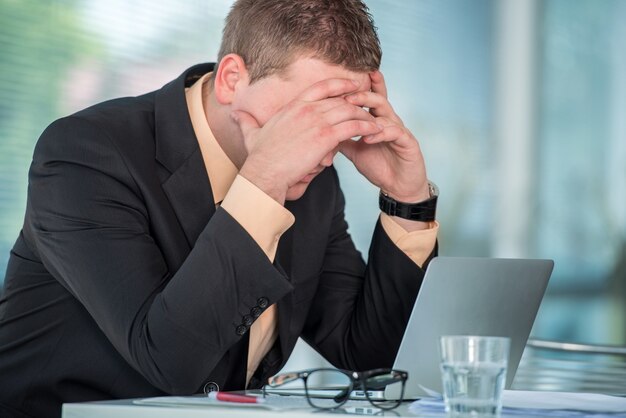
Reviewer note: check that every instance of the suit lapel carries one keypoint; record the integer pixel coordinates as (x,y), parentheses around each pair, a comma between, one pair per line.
(188,188)
(189,193)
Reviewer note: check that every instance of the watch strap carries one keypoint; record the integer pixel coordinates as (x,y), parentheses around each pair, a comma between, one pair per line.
(424,211)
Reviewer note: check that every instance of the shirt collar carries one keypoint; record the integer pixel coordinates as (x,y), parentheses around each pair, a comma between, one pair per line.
(219,167)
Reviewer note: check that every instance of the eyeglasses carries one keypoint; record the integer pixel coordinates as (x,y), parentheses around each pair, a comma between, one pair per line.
(341,383)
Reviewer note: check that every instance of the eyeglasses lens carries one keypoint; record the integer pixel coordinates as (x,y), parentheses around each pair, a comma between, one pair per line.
(391,380)
(328,379)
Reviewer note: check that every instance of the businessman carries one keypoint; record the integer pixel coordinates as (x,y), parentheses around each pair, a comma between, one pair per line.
(181,241)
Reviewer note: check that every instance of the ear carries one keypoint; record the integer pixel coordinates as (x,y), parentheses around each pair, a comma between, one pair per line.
(231,71)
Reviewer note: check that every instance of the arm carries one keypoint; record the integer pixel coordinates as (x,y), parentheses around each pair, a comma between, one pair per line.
(360,312)
(91,228)
(349,314)
(359,323)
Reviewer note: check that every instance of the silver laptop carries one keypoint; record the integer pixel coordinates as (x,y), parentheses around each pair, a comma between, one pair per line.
(469,296)
(461,296)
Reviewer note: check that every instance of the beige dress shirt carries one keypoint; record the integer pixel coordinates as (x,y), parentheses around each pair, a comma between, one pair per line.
(266,220)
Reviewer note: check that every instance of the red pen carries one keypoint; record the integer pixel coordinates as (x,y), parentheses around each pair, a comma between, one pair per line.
(235,398)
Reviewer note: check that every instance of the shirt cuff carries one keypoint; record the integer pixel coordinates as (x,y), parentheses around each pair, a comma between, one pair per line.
(418,245)
(260,215)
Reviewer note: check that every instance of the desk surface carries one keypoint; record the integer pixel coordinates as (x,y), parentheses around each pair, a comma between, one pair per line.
(126,409)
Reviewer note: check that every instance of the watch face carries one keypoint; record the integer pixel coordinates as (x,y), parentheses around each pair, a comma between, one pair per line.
(433,189)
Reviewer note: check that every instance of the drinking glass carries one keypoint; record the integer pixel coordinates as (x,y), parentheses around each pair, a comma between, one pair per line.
(473,370)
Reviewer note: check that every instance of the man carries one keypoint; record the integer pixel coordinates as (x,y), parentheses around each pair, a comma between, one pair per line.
(183,240)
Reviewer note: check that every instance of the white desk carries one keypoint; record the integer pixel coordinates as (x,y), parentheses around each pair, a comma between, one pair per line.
(126,409)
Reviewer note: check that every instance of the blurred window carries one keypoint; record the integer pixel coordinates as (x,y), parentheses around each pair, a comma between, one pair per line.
(441,62)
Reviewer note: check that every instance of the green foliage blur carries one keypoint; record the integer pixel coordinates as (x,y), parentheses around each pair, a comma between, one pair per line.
(39,41)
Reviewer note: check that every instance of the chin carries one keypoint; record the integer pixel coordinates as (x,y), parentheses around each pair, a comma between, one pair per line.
(296,191)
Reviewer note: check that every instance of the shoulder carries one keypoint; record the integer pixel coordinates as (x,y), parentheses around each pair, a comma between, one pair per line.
(119,118)
(98,130)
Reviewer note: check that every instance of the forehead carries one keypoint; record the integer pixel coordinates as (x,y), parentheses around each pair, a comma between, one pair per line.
(304,72)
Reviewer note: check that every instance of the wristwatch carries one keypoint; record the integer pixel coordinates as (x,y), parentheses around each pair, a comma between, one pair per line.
(423,211)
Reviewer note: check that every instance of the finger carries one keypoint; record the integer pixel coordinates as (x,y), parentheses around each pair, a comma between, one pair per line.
(332,87)
(388,134)
(345,111)
(346,130)
(325,105)
(378,83)
(247,123)
(377,103)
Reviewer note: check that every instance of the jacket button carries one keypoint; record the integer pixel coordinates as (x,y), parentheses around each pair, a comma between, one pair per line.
(256,312)
(263,302)
(247,320)
(241,329)
(211,387)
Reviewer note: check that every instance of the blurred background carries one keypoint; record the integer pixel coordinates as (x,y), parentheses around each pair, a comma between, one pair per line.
(519,105)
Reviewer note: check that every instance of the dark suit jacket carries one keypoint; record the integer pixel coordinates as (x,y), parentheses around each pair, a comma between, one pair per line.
(127,282)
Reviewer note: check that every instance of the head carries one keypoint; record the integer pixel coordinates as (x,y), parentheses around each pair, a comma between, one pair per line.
(272,50)
(271,34)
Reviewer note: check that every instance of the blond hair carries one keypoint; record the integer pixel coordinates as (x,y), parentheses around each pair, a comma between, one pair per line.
(271,34)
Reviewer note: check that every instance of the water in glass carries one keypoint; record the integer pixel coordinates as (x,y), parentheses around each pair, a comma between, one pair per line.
(473,388)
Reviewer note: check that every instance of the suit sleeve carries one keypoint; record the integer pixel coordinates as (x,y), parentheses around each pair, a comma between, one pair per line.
(360,311)
(90,225)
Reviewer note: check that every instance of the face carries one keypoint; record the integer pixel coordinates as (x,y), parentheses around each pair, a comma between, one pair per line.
(264,98)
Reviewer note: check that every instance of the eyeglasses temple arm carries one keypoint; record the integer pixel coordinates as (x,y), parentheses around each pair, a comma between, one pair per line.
(282,379)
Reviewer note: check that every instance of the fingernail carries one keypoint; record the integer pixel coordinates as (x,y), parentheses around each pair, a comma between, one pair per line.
(356,83)
(381,127)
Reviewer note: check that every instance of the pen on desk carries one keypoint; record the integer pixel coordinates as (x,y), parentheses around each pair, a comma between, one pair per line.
(233,397)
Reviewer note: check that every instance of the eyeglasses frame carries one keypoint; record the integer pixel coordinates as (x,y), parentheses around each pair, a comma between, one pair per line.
(359,378)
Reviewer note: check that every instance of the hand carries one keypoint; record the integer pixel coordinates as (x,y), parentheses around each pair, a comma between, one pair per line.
(294,141)
(390,159)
